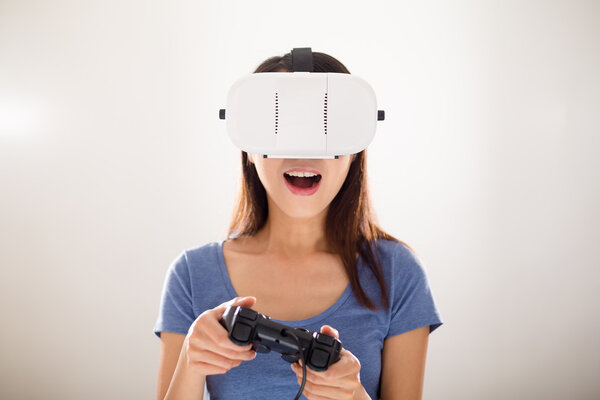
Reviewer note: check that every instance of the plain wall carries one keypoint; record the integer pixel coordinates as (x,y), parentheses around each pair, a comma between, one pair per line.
(113,160)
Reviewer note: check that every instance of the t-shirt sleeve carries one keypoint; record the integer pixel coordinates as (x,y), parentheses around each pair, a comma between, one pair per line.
(176,311)
(412,302)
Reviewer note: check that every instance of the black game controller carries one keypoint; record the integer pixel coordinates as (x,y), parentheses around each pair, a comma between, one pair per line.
(247,326)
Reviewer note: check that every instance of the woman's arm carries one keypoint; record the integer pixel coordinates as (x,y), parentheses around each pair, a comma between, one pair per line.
(186,360)
(171,367)
(403,365)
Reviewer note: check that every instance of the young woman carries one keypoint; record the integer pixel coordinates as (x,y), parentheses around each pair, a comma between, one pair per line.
(314,261)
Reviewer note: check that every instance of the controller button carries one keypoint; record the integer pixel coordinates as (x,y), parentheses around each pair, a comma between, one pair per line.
(319,358)
(289,357)
(325,339)
(241,332)
(262,348)
(248,313)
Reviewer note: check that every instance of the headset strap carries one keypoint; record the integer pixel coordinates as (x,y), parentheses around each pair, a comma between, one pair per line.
(302,59)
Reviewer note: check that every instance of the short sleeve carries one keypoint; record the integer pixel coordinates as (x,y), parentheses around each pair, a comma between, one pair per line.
(412,302)
(176,311)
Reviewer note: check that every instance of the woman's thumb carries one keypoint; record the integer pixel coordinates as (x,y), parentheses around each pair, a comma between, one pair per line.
(331,331)
(247,301)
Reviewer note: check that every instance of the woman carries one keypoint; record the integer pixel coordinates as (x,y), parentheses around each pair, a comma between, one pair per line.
(314,261)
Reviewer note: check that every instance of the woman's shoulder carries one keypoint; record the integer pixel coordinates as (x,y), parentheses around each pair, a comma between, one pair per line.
(206,249)
(394,248)
(199,268)
(197,257)
(397,257)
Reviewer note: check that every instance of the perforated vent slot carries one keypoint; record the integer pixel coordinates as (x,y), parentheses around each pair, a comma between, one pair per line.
(325,114)
(276,112)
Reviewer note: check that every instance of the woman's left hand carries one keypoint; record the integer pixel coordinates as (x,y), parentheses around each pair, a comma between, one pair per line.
(340,381)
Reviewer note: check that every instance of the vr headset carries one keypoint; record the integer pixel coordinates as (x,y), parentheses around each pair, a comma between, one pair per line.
(301,114)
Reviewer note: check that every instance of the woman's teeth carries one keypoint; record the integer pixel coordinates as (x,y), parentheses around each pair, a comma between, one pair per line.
(301,174)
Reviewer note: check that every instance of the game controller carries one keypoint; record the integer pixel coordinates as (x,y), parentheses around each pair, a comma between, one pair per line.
(247,326)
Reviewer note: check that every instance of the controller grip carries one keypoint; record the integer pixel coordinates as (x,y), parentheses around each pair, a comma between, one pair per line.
(240,333)
(246,326)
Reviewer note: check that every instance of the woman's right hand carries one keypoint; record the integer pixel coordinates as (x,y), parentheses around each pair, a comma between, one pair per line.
(207,347)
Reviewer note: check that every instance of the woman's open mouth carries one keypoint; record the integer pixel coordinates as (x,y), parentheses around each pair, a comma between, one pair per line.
(302,183)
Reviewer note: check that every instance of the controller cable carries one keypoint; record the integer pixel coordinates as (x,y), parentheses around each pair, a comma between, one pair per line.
(288,332)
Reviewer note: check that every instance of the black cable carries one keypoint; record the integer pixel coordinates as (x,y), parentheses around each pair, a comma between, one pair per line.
(303,363)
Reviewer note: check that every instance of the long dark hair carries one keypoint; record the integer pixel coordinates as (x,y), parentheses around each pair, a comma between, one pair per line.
(350,226)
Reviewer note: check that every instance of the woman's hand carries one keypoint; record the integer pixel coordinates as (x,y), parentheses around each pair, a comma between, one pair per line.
(207,347)
(340,381)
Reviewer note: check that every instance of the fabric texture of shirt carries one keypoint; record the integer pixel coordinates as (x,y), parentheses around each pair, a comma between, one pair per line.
(198,280)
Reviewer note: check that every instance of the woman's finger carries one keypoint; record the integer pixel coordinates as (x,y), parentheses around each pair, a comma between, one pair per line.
(315,391)
(347,365)
(212,358)
(212,329)
(241,355)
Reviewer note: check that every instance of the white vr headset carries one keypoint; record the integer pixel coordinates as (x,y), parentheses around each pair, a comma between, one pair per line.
(301,114)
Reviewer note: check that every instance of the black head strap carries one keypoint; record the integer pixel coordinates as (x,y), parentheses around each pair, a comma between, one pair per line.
(302,59)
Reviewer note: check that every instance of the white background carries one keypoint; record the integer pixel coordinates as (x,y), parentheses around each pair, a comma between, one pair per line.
(113,160)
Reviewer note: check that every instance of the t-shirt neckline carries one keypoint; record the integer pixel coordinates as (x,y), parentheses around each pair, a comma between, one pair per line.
(297,323)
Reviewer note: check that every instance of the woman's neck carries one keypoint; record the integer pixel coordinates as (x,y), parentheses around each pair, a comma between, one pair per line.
(292,237)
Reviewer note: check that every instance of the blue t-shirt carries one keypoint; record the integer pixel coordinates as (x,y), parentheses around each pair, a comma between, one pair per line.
(197,280)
